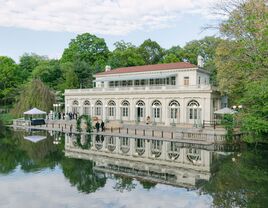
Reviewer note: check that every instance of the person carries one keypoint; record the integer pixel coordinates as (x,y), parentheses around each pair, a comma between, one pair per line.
(71,128)
(102,126)
(97,126)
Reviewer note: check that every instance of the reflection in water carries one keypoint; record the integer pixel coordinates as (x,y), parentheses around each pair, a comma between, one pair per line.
(102,167)
(158,161)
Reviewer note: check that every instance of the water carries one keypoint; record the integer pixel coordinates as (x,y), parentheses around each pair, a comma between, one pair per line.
(49,169)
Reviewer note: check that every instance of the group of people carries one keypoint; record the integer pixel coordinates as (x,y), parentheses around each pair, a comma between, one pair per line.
(61,115)
(73,116)
(100,125)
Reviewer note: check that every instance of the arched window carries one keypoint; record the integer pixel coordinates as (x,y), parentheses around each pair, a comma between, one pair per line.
(75,102)
(75,106)
(156,105)
(194,109)
(111,108)
(194,155)
(98,108)
(125,108)
(140,107)
(86,102)
(86,108)
(174,108)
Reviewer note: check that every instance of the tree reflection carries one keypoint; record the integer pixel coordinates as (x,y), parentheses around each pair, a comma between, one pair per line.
(124,183)
(242,181)
(82,175)
(11,155)
(15,150)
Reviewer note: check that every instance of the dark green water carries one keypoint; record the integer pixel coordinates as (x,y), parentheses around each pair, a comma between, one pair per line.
(70,171)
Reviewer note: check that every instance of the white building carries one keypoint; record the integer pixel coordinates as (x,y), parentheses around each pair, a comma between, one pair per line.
(163,94)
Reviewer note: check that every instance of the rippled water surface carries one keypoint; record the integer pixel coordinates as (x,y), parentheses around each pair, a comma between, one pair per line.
(50,169)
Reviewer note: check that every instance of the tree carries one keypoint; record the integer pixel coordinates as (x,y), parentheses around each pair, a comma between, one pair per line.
(151,52)
(69,80)
(244,53)
(125,54)
(9,79)
(27,64)
(88,48)
(49,72)
(89,54)
(174,54)
(34,94)
(242,62)
(205,47)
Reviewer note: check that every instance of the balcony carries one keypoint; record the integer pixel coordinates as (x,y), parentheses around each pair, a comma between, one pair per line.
(158,88)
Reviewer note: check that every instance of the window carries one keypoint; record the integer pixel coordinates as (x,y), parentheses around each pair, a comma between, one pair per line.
(199,80)
(125,111)
(129,83)
(125,108)
(194,108)
(98,111)
(98,108)
(124,83)
(86,107)
(167,81)
(156,105)
(157,112)
(174,108)
(111,111)
(116,83)
(111,108)
(173,80)
(137,82)
(111,84)
(186,80)
(124,141)
(151,82)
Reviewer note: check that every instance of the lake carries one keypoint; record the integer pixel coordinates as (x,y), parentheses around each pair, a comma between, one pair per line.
(51,169)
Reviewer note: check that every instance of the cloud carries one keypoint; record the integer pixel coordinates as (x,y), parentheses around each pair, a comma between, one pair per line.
(50,189)
(109,17)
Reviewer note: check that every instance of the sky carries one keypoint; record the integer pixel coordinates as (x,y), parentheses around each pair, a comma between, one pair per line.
(45,27)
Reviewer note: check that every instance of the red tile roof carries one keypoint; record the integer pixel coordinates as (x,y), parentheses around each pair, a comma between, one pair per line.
(155,67)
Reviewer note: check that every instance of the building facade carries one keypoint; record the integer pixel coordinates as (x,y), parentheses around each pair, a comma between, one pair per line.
(161,94)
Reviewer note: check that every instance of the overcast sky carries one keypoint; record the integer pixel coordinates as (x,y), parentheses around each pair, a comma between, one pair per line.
(45,27)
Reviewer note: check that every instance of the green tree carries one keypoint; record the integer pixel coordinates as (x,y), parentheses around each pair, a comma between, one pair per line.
(174,54)
(34,94)
(9,80)
(80,174)
(125,54)
(205,47)
(27,64)
(86,47)
(151,52)
(242,62)
(49,72)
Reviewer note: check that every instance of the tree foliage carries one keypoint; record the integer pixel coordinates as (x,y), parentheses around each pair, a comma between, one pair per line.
(151,52)
(125,54)
(34,94)
(9,79)
(242,61)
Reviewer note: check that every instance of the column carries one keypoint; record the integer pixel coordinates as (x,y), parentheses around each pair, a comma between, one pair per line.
(183,111)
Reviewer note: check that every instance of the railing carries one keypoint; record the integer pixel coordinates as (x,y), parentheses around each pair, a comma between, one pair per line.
(212,123)
(142,88)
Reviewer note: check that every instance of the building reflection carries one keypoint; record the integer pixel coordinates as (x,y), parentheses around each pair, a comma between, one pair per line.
(159,161)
